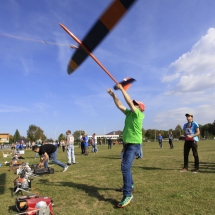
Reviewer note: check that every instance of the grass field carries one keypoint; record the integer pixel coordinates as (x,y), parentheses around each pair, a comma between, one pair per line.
(88,187)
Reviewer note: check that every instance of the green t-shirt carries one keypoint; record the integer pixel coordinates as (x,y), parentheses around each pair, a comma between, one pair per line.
(132,132)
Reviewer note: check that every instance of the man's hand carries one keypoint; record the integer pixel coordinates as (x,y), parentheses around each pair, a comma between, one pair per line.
(119,86)
(110,92)
(40,165)
(189,136)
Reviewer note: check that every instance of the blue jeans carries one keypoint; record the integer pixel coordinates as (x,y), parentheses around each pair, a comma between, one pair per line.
(71,153)
(130,151)
(53,157)
(94,148)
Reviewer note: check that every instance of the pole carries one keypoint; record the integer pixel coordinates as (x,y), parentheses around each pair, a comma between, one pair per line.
(104,136)
(55,132)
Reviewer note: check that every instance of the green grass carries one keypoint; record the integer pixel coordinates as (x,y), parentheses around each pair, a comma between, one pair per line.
(88,187)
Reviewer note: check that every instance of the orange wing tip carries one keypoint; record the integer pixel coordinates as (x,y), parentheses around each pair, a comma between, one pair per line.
(126,83)
(72,66)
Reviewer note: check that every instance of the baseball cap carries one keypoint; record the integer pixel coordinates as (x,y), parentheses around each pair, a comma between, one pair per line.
(189,114)
(140,104)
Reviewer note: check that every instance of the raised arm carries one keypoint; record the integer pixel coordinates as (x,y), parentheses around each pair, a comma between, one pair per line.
(116,101)
(127,98)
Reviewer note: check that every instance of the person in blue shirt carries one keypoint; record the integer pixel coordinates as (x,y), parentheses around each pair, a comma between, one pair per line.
(191,132)
(160,138)
(85,141)
(17,146)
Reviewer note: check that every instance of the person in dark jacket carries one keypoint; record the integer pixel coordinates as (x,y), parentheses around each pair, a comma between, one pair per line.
(47,151)
(171,140)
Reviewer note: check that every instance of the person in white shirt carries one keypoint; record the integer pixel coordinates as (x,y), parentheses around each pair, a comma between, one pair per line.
(63,145)
(94,143)
(70,147)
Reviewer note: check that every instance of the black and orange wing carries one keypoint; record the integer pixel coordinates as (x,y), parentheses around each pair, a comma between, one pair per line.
(99,31)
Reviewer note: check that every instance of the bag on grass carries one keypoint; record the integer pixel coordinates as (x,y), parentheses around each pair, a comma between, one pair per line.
(42,171)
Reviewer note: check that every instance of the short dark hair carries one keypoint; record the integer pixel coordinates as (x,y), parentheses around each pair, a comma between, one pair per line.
(35,147)
(68,131)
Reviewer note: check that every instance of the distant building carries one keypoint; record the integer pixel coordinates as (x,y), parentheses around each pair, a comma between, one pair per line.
(114,135)
(4,137)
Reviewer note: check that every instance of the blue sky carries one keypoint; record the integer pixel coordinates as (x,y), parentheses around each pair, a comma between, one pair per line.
(167,46)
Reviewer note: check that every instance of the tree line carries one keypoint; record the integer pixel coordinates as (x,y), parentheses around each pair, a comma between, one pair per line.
(35,132)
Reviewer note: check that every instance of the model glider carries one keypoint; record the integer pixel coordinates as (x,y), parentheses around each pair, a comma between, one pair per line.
(97,33)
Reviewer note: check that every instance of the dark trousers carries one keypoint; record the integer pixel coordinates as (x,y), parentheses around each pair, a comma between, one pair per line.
(160,143)
(109,146)
(82,148)
(187,146)
(170,144)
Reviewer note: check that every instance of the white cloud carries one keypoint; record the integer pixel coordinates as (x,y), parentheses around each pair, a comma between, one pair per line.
(202,114)
(194,70)
(11,109)
(41,107)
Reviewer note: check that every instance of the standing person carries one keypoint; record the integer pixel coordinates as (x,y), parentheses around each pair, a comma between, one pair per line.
(160,139)
(132,138)
(85,141)
(109,143)
(171,140)
(47,151)
(191,132)
(94,143)
(82,145)
(63,145)
(70,147)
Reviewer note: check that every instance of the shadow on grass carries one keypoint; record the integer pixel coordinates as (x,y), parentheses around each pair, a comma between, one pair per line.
(2,182)
(12,209)
(149,168)
(111,158)
(90,190)
(206,167)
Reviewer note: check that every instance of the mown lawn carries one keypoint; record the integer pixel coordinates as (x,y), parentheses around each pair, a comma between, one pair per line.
(88,187)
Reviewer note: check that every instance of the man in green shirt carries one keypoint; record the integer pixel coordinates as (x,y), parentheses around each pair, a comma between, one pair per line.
(132,138)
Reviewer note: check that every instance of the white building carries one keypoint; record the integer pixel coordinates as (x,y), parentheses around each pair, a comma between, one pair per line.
(112,136)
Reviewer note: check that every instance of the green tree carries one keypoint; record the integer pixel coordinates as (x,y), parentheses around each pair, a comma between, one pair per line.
(34,133)
(77,135)
(150,134)
(61,137)
(143,132)
(50,140)
(178,130)
(11,140)
(16,136)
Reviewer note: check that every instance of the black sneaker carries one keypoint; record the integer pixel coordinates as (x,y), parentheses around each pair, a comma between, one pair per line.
(68,164)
